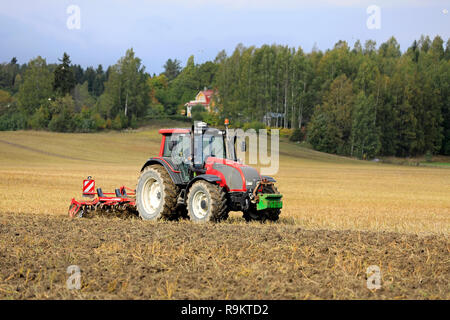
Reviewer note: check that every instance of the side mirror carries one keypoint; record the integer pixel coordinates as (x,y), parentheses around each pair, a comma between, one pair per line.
(244,146)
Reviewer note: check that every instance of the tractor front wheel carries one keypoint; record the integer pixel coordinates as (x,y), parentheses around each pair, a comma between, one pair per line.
(156,194)
(207,202)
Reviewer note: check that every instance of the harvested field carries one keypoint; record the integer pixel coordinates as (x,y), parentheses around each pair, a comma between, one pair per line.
(132,259)
(42,171)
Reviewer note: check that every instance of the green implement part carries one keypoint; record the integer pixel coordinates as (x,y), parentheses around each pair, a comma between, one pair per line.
(269,201)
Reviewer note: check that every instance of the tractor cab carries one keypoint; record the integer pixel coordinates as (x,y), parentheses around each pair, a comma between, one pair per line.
(197,170)
(188,150)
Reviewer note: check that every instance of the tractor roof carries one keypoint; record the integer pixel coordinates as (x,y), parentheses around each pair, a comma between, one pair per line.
(174,130)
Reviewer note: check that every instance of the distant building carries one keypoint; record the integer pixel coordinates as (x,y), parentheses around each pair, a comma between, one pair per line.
(203,98)
(273,118)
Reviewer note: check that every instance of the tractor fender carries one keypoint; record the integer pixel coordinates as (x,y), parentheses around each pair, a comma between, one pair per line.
(175,175)
(270,179)
(207,177)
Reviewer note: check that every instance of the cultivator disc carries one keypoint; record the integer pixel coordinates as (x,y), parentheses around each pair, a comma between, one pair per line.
(74,210)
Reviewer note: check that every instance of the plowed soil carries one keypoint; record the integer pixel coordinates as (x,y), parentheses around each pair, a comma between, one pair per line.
(134,259)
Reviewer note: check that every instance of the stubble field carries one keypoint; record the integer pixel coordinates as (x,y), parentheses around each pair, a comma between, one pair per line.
(340,216)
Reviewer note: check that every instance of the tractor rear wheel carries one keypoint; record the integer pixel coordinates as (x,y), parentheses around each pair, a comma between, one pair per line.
(262,215)
(207,202)
(156,194)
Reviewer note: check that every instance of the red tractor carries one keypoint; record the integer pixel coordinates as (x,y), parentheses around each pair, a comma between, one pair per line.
(197,175)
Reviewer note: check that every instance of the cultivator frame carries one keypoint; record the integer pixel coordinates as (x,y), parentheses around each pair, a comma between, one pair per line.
(122,200)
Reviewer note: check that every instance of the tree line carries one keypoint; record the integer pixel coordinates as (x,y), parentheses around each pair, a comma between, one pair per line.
(361,101)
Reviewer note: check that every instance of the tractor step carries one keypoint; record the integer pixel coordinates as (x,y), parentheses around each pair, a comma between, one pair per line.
(269,201)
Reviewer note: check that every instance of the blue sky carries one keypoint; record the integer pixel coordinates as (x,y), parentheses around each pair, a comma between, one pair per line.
(158,30)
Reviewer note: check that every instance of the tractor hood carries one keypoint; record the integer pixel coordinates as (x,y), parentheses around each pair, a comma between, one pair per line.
(234,175)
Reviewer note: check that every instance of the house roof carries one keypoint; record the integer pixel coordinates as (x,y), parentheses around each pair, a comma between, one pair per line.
(207,93)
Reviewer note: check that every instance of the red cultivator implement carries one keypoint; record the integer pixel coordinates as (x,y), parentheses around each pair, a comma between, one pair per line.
(122,200)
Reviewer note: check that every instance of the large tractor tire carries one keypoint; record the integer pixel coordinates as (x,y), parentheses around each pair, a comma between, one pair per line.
(207,202)
(262,215)
(156,194)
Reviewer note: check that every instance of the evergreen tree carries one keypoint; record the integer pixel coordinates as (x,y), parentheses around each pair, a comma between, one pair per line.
(64,78)
(98,85)
(8,73)
(172,69)
(89,76)
(78,74)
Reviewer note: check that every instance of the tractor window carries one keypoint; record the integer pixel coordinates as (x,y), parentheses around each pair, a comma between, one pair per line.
(177,145)
(213,146)
(231,144)
(167,151)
